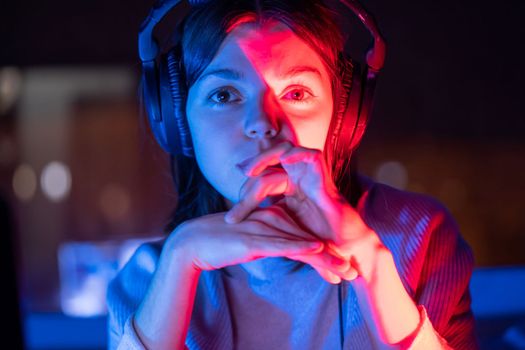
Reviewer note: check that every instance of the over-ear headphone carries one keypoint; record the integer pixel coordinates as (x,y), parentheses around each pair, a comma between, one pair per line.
(164,90)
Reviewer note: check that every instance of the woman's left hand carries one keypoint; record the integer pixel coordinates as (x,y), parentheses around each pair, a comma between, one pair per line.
(319,208)
(312,197)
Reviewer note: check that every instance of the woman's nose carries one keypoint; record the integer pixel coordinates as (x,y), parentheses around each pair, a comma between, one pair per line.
(262,122)
(261,130)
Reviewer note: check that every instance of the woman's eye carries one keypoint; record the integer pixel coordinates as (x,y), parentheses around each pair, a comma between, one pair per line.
(298,95)
(224,96)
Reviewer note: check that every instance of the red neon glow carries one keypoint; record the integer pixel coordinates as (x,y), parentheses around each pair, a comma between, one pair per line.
(304,182)
(259,118)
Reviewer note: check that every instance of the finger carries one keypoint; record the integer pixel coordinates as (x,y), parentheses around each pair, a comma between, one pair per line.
(309,167)
(301,154)
(335,278)
(327,275)
(351,274)
(269,157)
(277,216)
(324,261)
(270,246)
(328,258)
(254,191)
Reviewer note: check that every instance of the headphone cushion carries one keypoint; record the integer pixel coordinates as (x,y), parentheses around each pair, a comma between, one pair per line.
(342,124)
(174,97)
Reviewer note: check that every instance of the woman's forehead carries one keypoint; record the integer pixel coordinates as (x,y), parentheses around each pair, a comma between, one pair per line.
(271,47)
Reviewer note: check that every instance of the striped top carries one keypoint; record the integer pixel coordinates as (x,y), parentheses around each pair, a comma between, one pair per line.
(292,307)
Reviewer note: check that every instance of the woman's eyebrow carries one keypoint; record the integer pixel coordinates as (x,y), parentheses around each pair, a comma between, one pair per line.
(296,70)
(232,74)
(225,73)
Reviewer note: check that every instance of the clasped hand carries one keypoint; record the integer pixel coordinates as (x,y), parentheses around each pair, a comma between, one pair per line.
(312,208)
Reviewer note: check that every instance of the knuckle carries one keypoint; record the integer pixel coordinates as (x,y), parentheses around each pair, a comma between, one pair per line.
(315,154)
(261,183)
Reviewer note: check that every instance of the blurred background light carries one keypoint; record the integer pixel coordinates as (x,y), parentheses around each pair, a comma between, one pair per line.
(86,268)
(114,202)
(24,182)
(56,181)
(10,81)
(392,173)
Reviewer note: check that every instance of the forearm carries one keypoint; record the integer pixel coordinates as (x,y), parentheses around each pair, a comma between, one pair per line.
(388,309)
(163,318)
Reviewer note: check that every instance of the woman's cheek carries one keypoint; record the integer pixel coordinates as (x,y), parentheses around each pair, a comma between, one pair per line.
(215,156)
(310,130)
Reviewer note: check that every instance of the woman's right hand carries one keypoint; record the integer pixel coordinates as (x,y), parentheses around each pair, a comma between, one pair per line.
(210,243)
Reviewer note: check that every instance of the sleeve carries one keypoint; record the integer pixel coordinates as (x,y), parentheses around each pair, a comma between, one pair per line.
(443,290)
(124,295)
(129,340)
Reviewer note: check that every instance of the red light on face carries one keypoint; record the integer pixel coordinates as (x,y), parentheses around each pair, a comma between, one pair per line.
(298,89)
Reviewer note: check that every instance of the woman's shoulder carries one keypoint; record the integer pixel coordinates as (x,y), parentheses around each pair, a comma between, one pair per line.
(147,254)
(126,290)
(393,203)
(415,227)
(394,211)
(143,260)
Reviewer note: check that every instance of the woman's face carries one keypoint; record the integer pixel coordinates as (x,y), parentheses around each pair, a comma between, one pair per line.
(264,86)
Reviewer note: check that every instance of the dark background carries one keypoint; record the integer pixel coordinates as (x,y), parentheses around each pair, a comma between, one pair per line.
(454,68)
(449,105)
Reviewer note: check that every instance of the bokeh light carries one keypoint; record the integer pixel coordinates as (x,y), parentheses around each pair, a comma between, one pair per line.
(392,173)
(56,181)
(114,202)
(24,182)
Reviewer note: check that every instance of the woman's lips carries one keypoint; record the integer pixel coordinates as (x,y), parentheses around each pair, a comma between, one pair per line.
(244,164)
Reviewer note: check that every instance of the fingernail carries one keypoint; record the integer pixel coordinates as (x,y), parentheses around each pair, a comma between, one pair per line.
(351,275)
(230,218)
(336,280)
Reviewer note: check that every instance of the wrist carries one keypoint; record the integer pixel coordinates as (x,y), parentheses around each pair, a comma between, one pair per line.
(381,261)
(396,311)
(181,253)
(367,255)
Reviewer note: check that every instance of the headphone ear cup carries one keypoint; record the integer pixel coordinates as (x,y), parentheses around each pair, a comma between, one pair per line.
(342,125)
(152,102)
(159,106)
(355,116)
(164,94)
(176,92)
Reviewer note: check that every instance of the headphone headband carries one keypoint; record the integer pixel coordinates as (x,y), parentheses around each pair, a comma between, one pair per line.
(149,49)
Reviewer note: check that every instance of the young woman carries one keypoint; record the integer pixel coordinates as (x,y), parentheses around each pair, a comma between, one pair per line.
(273,246)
